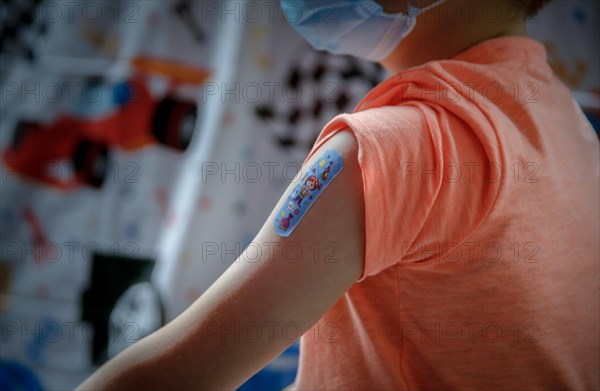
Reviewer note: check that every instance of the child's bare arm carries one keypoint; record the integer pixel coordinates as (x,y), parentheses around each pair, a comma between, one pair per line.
(279,286)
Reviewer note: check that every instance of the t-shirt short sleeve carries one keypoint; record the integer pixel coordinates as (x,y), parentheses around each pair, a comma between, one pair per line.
(423,186)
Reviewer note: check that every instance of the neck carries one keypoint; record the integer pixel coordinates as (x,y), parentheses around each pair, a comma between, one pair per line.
(424,44)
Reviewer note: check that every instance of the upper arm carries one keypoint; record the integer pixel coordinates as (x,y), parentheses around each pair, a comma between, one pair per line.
(278,287)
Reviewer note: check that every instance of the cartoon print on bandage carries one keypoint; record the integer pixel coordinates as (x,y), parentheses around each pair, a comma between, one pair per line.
(312,184)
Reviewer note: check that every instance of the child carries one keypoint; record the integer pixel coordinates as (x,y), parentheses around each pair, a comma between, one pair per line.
(456,249)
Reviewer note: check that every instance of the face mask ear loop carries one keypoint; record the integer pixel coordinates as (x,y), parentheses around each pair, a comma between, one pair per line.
(414,11)
(375,54)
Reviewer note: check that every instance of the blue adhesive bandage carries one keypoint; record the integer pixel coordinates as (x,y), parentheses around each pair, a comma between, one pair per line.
(312,184)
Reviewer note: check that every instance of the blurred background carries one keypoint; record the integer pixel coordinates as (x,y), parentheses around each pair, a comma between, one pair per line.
(143,145)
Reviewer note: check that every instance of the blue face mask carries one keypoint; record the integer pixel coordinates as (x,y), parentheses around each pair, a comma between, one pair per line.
(359,28)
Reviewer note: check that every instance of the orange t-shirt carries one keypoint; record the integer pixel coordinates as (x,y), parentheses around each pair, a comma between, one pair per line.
(482,213)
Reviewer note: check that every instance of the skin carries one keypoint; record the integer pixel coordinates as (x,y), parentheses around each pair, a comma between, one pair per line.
(183,355)
(469,21)
(187,353)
